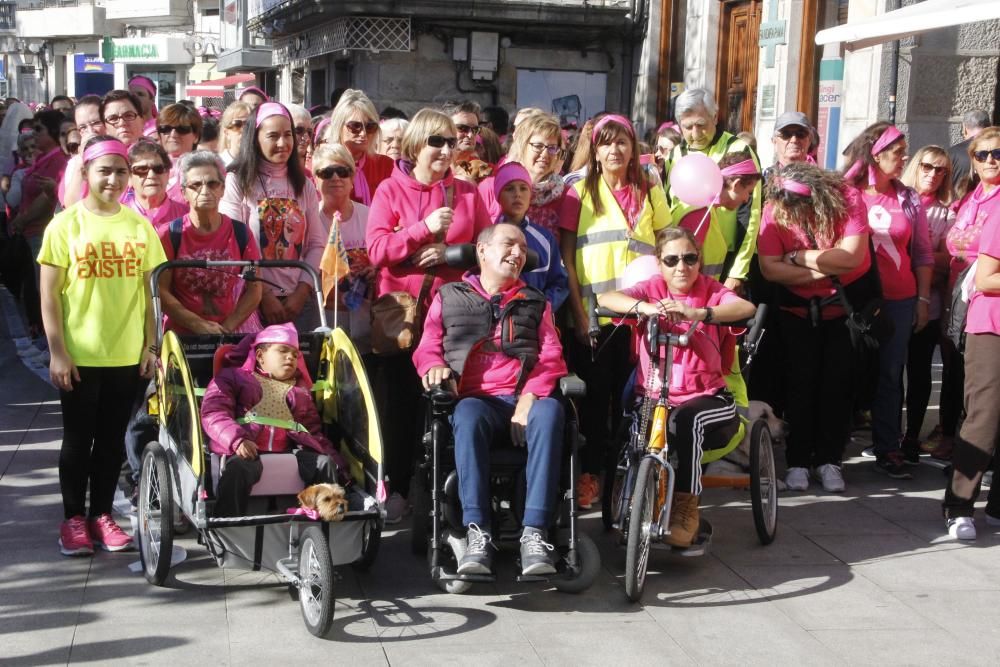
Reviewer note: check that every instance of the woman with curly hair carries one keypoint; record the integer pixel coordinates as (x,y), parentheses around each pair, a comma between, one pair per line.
(814,227)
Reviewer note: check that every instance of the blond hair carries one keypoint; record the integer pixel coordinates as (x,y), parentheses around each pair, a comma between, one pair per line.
(425,123)
(228,116)
(351,102)
(944,193)
(334,153)
(538,123)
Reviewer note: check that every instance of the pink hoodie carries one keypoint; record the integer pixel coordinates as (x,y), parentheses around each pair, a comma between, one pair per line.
(396,228)
(493,373)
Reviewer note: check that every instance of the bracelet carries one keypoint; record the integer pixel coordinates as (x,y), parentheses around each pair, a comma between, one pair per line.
(708,315)
(791,258)
(924,299)
(152,349)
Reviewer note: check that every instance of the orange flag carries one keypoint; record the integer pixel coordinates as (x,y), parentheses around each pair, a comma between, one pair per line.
(334,264)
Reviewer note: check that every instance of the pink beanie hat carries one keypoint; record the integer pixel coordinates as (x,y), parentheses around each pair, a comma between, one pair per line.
(508,172)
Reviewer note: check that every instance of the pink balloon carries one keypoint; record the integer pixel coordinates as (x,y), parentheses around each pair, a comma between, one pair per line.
(640,270)
(696,180)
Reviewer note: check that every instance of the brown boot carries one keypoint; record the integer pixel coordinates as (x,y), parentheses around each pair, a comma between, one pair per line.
(683,520)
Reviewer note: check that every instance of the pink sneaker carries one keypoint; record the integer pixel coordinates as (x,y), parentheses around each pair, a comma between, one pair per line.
(106,534)
(73,538)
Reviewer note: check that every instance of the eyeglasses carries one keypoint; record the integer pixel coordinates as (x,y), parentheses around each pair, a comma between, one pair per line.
(198,187)
(927,168)
(467,129)
(982,155)
(437,141)
(117,119)
(143,169)
(303,131)
(670,261)
(799,133)
(95,126)
(551,149)
(237,124)
(181,129)
(326,173)
(357,127)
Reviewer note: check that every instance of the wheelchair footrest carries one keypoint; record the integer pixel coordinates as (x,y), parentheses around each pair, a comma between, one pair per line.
(444,575)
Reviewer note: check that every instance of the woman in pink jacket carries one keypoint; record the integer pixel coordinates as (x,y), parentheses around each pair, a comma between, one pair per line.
(268,190)
(415,214)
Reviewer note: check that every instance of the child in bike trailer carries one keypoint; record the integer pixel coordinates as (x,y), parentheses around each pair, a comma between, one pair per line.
(261,404)
(703,412)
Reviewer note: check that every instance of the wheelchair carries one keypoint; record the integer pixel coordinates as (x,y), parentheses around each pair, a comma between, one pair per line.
(437,528)
(179,473)
(639,484)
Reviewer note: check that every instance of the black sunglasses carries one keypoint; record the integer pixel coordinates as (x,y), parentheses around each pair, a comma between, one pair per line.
(181,129)
(356,127)
(468,129)
(927,167)
(326,173)
(982,155)
(437,141)
(143,169)
(670,261)
(798,133)
(72,148)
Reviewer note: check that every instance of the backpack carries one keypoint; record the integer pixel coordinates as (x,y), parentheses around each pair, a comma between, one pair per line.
(957,311)
(240,231)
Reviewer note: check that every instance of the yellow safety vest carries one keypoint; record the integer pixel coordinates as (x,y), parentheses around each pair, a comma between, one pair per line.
(604,243)
(722,241)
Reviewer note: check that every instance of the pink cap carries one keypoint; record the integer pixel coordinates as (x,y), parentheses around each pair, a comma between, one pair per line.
(279,334)
(507,173)
(106,147)
(612,118)
(268,109)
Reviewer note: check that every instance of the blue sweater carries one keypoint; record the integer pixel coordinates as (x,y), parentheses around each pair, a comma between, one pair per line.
(549,277)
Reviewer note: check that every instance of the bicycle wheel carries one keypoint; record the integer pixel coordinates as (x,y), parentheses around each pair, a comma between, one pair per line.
(640,528)
(763,483)
(155,514)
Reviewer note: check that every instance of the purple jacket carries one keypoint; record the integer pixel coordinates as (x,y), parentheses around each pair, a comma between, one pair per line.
(233,392)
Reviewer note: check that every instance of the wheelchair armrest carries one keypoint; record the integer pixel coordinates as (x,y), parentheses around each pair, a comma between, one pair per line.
(572,386)
(442,398)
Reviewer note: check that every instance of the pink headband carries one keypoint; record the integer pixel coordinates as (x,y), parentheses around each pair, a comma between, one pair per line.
(795,187)
(887,137)
(320,127)
(745,168)
(254,89)
(144,83)
(106,147)
(611,118)
(667,125)
(268,109)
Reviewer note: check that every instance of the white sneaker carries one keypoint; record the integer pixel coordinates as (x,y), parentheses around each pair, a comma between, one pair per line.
(962,528)
(395,508)
(831,477)
(797,479)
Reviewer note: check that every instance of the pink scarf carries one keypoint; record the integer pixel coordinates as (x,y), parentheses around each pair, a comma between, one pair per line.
(361,183)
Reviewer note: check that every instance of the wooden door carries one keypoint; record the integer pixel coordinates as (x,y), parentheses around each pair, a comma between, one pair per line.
(739,32)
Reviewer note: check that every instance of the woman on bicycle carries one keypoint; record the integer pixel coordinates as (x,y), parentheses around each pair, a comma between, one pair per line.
(703,412)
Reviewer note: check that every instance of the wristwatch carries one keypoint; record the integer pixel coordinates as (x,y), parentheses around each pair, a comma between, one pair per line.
(708,315)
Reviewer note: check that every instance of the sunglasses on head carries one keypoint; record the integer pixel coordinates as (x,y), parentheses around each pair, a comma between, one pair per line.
(143,169)
(787,133)
(357,127)
(982,155)
(326,173)
(927,168)
(689,259)
(468,129)
(237,124)
(181,129)
(437,141)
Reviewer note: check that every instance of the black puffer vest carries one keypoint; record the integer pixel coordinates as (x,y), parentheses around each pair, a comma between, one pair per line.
(469,321)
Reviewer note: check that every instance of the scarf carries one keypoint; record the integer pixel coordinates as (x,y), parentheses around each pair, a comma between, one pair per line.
(361,183)
(547,190)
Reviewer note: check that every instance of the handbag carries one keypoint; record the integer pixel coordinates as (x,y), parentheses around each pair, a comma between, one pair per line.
(869,326)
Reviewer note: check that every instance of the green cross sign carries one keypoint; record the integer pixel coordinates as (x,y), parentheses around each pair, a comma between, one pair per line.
(772,33)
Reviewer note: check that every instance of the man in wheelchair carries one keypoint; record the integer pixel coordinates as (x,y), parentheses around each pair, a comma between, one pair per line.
(492,339)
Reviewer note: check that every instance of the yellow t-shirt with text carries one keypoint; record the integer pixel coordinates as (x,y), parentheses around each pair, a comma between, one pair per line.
(107,261)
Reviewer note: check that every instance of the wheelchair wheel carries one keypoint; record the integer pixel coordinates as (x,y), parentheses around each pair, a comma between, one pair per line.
(316,596)
(371,539)
(589,559)
(615,473)
(155,515)
(420,518)
(763,483)
(640,527)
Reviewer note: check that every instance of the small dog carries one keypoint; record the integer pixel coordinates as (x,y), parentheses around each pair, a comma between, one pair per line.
(327,499)
(476,169)
(738,460)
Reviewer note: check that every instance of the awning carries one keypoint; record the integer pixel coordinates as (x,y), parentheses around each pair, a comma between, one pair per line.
(908,21)
(216,87)
(203,72)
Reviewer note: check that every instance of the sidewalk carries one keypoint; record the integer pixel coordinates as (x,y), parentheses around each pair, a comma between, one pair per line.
(859,578)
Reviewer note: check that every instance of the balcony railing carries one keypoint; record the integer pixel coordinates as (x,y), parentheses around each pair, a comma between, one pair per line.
(8,16)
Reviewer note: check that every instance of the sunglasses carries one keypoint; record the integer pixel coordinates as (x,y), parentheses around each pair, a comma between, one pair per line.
(467,129)
(357,127)
(982,155)
(928,168)
(670,261)
(212,185)
(326,173)
(798,133)
(181,129)
(551,149)
(237,124)
(437,141)
(72,147)
(117,119)
(144,169)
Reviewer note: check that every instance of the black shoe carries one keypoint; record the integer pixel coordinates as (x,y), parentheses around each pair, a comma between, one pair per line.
(911,452)
(893,465)
(536,558)
(478,558)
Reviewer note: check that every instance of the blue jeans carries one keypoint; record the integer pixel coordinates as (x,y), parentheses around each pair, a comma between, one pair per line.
(887,406)
(476,423)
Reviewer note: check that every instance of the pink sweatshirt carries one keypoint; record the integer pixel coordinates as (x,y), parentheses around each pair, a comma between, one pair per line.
(984,309)
(396,228)
(292,228)
(493,373)
(963,237)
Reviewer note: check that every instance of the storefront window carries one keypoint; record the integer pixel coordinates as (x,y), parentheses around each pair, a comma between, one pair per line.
(166,85)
